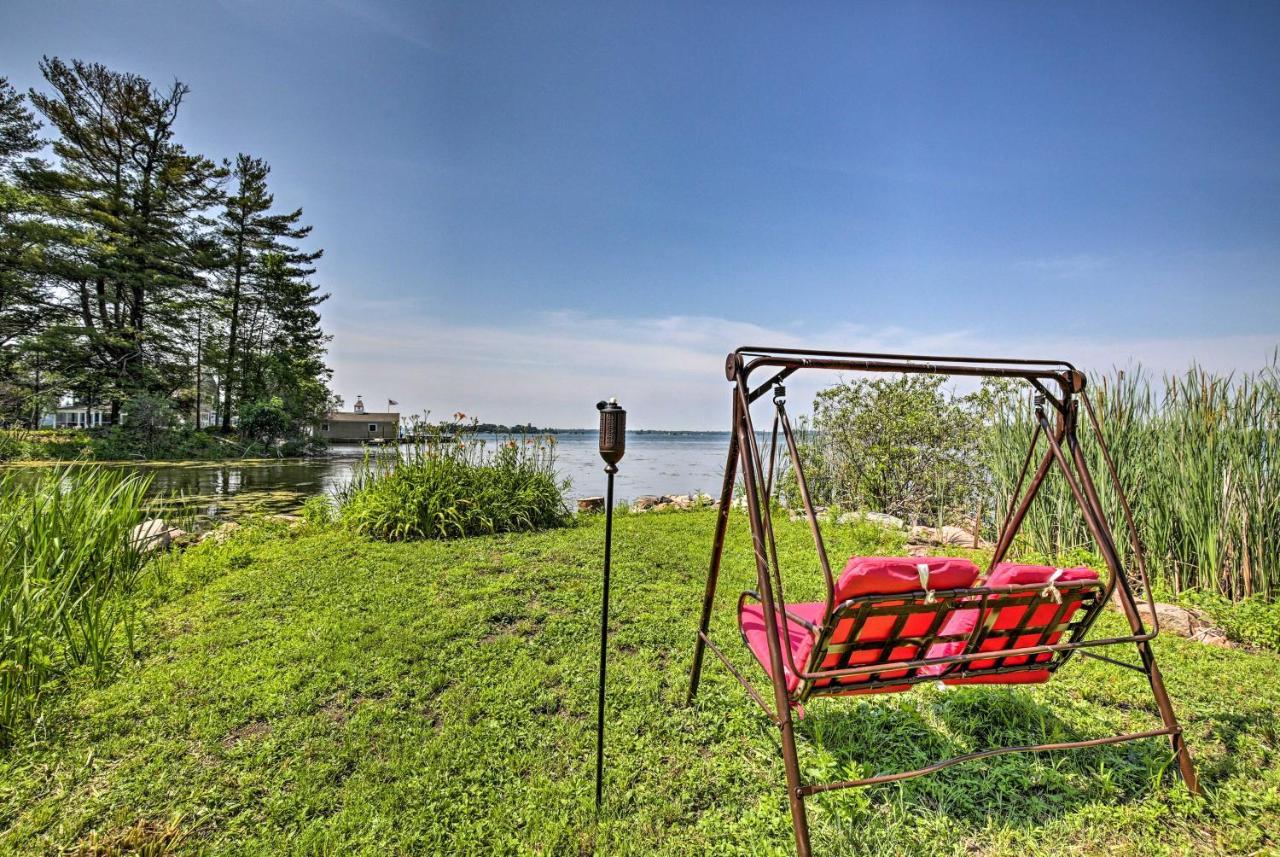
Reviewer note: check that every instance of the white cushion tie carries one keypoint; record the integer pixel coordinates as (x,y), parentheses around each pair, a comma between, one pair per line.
(923,569)
(1051,591)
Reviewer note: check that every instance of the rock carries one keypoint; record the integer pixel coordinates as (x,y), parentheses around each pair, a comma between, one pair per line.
(925,535)
(180,538)
(647,502)
(221,533)
(880,519)
(683,501)
(1214,637)
(590,504)
(1183,621)
(946,537)
(821,512)
(151,535)
(291,520)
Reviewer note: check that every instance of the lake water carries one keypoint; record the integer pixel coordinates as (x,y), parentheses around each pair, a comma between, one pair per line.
(655,463)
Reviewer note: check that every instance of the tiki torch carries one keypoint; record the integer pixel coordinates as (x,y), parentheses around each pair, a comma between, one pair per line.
(613,443)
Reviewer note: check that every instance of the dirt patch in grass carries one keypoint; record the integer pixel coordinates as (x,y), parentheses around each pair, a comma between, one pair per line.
(146,837)
(247,732)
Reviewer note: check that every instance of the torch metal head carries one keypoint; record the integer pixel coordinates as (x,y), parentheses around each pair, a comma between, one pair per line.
(613,431)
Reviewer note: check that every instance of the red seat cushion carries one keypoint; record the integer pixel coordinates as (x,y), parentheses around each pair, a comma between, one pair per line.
(887,575)
(861,576)
(801,639)
(890,575)
(962,622)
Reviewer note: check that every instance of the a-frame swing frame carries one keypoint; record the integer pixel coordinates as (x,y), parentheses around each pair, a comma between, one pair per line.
(1063,453)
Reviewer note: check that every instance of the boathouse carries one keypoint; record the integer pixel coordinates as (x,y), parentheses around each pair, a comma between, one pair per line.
(359,426)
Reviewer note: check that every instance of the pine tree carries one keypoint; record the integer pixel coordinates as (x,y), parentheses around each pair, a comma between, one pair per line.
(260,249)
(24,298)
(134,199)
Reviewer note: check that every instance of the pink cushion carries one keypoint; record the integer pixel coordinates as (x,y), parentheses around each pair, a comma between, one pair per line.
(962,622)
(862,576)
(887,575)
(801,639)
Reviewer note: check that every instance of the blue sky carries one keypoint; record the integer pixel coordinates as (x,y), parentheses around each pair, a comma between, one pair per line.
(526,207)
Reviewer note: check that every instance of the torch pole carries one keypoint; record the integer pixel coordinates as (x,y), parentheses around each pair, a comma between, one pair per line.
(604,633)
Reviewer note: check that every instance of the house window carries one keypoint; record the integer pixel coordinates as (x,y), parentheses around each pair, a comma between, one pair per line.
(324,427)
(373,427)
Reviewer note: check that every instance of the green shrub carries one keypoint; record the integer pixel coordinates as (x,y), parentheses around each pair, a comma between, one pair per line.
(901,445)
(317,511)
(449,489)
(67,563)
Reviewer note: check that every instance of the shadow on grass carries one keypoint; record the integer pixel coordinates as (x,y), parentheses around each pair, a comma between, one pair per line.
(867,737)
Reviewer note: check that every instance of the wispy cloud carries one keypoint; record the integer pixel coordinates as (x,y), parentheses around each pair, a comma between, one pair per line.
(669,370)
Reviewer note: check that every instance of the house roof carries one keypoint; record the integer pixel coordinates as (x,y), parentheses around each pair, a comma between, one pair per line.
(366,417)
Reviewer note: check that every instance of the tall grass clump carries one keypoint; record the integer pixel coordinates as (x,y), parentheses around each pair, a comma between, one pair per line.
(1199,456)
(448,488)
(67,565)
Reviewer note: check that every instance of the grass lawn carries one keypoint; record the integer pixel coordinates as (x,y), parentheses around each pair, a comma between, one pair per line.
(316,693)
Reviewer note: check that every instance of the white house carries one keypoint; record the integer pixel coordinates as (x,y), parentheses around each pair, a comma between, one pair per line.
(77,416)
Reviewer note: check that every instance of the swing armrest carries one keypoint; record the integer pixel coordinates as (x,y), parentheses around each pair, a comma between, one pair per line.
(751,593)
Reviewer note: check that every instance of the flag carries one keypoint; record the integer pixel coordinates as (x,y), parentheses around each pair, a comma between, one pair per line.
(392,402)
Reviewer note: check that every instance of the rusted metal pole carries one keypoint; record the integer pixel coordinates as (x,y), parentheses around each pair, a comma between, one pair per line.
(717,550)
(782,701)
(1185,765)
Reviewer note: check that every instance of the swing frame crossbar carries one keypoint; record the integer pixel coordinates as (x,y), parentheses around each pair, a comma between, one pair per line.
(1059,389)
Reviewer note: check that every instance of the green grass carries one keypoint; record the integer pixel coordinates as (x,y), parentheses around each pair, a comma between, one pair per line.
(317,693)
(123,444)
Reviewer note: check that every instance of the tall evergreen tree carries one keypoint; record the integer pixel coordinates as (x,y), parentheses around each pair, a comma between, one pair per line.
(135,199)
(261,252)
(24,300)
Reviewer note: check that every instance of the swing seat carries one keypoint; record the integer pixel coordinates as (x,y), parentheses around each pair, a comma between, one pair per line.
(1017,606)
(877,639)
(889,623)
(1012,622)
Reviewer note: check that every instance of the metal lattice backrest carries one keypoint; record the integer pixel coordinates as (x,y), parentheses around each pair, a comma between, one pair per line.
(908,633)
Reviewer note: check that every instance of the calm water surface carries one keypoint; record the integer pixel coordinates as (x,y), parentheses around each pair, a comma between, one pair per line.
(655,463)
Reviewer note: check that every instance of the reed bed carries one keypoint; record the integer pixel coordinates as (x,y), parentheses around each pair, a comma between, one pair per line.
(1199,456)
(67,565)
(446,487)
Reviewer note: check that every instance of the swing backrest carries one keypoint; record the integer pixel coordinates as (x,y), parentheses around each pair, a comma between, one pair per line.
(1060,602)
(1015,609)
(871,625)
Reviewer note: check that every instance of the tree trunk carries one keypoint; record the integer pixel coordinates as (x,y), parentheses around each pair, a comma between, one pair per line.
(233,342)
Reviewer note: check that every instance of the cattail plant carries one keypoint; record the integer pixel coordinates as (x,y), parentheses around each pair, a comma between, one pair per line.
(67,565)
(1198,459)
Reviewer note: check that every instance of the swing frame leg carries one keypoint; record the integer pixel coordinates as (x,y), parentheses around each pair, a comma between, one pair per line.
(717,550)
(739,451)
(1085,492)
(781,696)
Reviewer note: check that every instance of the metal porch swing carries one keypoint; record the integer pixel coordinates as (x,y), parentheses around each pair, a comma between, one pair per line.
(892,622)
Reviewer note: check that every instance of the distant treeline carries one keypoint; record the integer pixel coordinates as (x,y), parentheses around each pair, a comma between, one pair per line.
(142,277)
(499,428)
